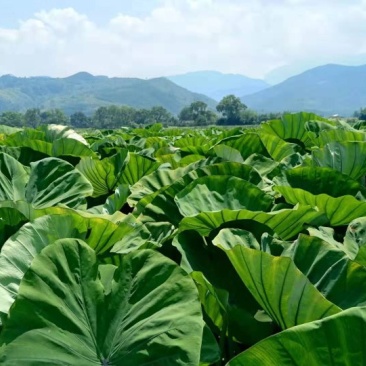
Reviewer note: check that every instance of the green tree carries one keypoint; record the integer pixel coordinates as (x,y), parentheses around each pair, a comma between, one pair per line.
(249,117)
(124,115)
(101,118)
(54,116)
(160,114)
(113,116)
(14,119)
(142,116)
(198,114)
(185,115)
(80,120)
(150,116)
(231,108)
(32,117)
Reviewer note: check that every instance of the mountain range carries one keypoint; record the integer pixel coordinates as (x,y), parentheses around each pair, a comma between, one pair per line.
(326,90)
(85,92)
(216,85)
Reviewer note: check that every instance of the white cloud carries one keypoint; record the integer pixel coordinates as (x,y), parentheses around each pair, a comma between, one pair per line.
(249,37)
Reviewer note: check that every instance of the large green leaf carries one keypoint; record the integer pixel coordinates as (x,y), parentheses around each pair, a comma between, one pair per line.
(266,167)
(151,185)
(54,132)
(280,288)
(326,234)
(132,235)
(31,213)
(161,208)
(148,315)
(317,180)
(159,179)
(116,201)
(137,167)
(218,192)
(20,249)
(277,148)
(334,341)
(234,169)
(104,175)
(330,270)
(247,144)
(13,178)
(339,211)
(269,169)
(105,145)
(214,300)
(161,203)
(348,157)
(68,146)
(51,140)
(194,144)
(155,142)
(228,153)
(31,139)
(291,127)
(10,222)
(338,134)
(23,155)
(53,181)
(315,127)
(229,238)
(173,159)
(225,299)
(285,223)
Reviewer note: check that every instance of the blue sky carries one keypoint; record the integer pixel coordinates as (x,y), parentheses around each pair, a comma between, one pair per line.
(12,11)
(150,38)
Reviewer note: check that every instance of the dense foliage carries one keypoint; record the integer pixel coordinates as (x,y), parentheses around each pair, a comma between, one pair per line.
(104,117)
(111,117)
(231,108)
(155,246)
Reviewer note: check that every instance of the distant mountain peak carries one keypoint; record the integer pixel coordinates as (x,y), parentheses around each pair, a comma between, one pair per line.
(8,76)
(327,90)
(217,85)
(82,75)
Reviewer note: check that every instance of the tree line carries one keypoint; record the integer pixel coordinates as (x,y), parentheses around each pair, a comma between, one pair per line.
(361,114)
(104,117)
(229,111)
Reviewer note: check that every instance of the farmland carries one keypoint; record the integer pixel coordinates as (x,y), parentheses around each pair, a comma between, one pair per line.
(173,246)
